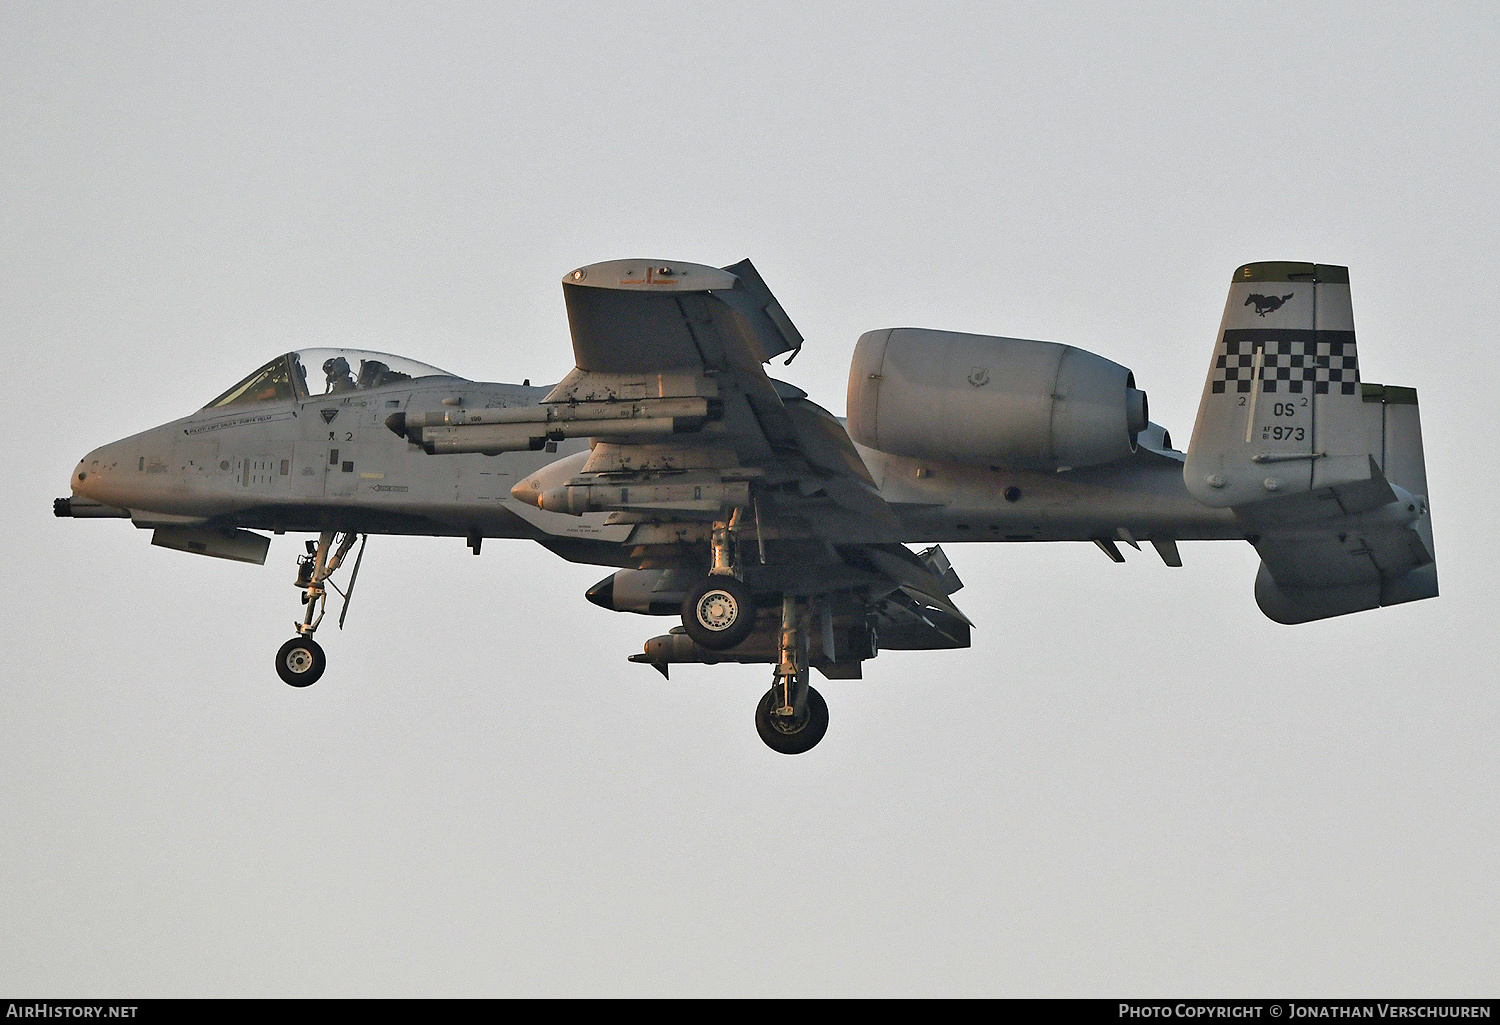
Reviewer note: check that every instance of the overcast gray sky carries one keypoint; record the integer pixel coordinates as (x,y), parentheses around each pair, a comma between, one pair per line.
(1132,784)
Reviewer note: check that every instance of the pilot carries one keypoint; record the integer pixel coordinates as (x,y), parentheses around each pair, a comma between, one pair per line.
(340,379)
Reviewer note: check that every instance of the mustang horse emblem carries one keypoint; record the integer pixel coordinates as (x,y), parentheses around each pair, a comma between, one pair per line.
(1267,303)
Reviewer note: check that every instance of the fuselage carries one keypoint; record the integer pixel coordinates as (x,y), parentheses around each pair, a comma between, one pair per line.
(303,462)
(315,463)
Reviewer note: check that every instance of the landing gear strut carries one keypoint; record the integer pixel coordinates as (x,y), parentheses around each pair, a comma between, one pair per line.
(720,612)
(301,661)
(792,717)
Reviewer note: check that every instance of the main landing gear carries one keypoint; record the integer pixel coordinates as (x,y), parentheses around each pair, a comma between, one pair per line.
(300,662)
(719,613)
(792,717)
(792,734)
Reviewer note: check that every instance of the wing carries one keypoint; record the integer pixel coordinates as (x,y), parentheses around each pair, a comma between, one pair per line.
(652,337)
(643,317)
(717,472)
(753,458)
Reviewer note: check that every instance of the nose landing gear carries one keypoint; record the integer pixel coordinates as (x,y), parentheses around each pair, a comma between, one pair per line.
(300,661)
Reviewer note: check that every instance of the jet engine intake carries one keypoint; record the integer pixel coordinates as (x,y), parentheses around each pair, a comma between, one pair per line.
(991,401)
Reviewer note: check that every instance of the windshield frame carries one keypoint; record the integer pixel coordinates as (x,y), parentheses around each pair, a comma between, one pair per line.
(280,376)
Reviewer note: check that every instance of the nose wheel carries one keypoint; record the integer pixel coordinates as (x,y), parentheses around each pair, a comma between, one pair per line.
(300,662)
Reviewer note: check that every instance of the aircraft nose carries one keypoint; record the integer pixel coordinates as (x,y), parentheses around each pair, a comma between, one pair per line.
(132,473)
(87,476)
(100,475)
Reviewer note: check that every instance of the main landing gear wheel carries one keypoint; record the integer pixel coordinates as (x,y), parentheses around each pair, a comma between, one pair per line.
(792,735)
(300,662)
(719,613)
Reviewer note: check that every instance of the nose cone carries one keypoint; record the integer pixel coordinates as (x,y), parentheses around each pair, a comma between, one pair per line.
(127,474)
(138,473)
(93,474)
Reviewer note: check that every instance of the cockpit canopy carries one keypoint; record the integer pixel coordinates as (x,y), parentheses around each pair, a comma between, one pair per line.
(309,373)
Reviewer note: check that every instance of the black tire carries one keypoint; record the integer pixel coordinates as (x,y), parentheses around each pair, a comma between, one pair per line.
(300,662)
(792,737)
(719,613)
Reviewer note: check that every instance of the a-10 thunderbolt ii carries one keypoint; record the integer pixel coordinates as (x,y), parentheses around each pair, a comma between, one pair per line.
(775,531)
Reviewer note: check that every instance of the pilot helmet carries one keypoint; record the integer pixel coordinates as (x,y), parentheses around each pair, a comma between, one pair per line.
(336,366)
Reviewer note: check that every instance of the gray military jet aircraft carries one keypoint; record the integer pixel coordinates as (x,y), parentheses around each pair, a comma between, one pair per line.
(776,532)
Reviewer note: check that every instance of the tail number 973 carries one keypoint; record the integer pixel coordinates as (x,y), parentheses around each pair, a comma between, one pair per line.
(1277,432)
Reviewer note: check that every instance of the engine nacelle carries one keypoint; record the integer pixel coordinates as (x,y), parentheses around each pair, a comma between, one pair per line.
(991,401)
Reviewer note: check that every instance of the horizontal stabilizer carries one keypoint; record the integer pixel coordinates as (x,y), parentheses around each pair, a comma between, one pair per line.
(1291,605)
(1352,546)
(1343,548)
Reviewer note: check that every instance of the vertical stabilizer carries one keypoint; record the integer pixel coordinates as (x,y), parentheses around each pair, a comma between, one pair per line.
(1324,470)
(1282,410)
